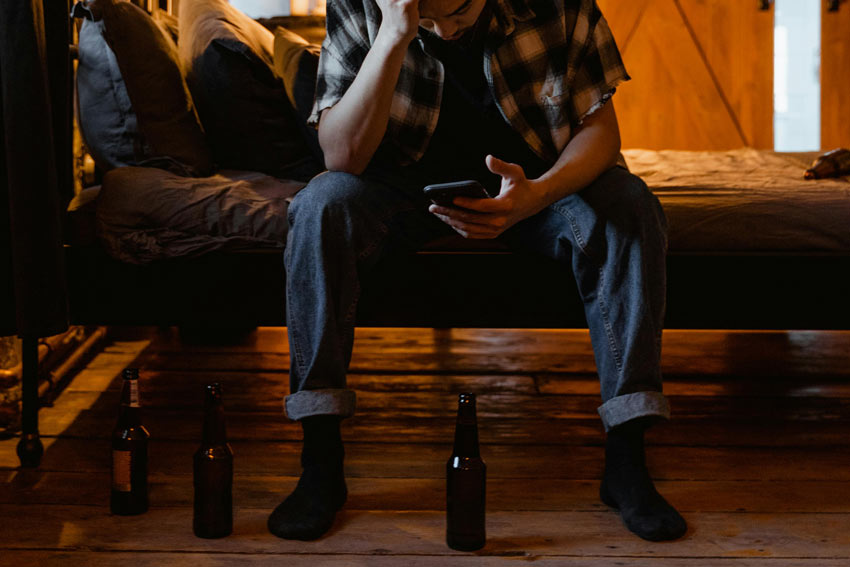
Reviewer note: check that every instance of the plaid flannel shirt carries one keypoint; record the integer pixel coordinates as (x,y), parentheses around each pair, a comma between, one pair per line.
(549,64)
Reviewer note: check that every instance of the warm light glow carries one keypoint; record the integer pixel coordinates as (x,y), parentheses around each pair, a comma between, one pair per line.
(307,7)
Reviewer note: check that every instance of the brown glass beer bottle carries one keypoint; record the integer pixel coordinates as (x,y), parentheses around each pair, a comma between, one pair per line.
(213,472)
(129,452)
(834,163)
(466,479)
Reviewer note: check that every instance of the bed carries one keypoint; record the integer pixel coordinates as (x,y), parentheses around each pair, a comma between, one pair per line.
(752,245)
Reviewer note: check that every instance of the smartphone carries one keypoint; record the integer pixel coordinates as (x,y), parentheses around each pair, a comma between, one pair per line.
(443,194)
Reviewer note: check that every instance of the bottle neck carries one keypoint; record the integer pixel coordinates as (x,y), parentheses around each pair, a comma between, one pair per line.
(466,432)
(215,432)
(131,411)
(130,393)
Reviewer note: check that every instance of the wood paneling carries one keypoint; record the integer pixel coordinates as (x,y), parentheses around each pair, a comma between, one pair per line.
(702,73)
(835,77)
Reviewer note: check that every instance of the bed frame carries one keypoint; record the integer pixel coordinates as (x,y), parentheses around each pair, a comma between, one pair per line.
(443,286)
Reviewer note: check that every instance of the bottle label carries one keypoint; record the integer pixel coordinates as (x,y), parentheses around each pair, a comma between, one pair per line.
(121,461)
(134,393)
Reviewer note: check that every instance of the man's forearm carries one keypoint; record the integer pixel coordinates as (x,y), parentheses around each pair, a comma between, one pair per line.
(588,154)
(351,130)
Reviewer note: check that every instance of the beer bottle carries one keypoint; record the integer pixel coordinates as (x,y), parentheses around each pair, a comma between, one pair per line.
(129,452)
(466,477)
(833,163)
(213,472)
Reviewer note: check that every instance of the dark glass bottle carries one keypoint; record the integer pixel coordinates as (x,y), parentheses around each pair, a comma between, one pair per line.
(129,452)
(834,163)
(213,472)
(466,479)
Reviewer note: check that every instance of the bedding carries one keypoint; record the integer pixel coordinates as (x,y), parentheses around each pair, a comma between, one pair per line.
(745,200)
(716,202)
(145,214)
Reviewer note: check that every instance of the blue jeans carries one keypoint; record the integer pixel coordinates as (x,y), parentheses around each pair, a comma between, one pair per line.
(612,235)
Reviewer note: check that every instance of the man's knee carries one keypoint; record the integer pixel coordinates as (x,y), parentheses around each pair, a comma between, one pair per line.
(330,194)
(629,204)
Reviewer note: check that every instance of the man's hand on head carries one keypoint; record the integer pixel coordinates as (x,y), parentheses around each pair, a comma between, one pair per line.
(400,19)
(518,199)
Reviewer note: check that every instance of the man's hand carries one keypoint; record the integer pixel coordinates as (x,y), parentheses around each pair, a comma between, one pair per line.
(400,20)
(518,199)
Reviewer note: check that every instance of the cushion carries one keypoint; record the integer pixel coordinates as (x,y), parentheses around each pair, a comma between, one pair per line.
(146,214)
(135,107)
(249,121)
(296,63)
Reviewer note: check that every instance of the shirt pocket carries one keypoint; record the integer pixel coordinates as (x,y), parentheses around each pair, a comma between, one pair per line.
(555,106)
(554,101)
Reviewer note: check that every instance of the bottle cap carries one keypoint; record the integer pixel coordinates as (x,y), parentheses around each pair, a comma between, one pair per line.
(130,374)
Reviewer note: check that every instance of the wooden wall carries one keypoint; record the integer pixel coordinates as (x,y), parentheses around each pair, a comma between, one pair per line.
(835,77)
(702,73)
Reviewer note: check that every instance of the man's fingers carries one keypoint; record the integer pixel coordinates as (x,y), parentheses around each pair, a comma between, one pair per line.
(504,168)
(495,205)
(472,218)
(468,230)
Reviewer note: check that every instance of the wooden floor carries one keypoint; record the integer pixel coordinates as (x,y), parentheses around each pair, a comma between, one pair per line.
(757,457)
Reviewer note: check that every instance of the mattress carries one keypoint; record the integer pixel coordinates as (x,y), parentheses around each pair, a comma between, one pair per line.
(740,201)
(746,201)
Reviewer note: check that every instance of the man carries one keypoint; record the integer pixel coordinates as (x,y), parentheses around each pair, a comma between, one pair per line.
(515,94)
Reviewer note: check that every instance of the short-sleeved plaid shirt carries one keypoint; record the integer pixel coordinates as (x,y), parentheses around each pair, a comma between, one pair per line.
(549,64)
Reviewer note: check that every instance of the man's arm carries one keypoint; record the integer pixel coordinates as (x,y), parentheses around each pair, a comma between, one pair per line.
(351,130)
(592,150)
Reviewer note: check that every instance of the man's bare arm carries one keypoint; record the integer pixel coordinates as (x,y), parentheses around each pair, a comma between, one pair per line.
(592,150)
(351,130)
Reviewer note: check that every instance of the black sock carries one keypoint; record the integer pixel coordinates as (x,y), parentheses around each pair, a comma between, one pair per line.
(309,511)
(627,486)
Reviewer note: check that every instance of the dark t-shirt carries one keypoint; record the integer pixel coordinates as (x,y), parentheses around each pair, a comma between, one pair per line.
(470,124)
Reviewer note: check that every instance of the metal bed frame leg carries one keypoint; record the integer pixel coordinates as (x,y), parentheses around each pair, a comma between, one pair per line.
(30,448)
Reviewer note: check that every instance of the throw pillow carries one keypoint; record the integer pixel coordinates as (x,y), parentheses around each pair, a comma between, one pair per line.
(296,63)
(249,121)
(135,107)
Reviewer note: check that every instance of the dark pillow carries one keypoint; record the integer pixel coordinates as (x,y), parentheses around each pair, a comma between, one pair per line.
(135,107)
(246,114)
(296,63)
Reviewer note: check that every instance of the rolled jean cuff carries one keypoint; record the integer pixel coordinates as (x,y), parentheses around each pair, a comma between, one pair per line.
(621,409)
(327,401)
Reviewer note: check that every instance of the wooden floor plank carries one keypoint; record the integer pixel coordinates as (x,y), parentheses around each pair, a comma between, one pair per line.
(423,532)
(185,425)
(504,461)
(264,383)
(480,559)
(506,405)
(755,353)
(255,491)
